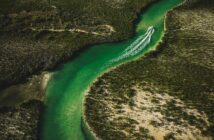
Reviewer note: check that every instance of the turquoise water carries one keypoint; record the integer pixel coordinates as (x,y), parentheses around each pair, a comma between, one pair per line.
(66,88)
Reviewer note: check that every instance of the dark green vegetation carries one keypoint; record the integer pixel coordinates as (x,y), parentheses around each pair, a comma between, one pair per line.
(35,35)
(20,123)
(182,67)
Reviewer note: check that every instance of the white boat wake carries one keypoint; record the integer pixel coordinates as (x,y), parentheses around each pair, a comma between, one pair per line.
(137,46)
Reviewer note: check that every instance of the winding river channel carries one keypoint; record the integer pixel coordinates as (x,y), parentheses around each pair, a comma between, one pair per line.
(66,89)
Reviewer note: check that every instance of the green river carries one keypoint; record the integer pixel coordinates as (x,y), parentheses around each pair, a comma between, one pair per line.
(66,89)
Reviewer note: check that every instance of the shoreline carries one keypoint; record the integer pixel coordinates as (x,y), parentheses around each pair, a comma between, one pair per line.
(37,85)
(155,49)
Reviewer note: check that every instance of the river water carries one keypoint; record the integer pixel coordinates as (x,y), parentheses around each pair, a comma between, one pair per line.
(66,89)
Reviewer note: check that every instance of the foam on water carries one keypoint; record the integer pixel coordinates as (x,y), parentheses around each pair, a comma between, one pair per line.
(137,46)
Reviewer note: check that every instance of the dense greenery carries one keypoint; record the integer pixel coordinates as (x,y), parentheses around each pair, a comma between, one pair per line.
(35,36)
(183,67)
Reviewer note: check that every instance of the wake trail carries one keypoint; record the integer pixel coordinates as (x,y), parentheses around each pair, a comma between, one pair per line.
(137,46)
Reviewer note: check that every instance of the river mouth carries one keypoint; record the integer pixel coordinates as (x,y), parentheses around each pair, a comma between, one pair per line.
(66,89)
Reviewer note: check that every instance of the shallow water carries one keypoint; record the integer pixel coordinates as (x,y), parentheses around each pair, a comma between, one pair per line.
(65,90)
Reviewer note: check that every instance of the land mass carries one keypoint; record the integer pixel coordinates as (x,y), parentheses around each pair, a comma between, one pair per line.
(38,34)
(168,93)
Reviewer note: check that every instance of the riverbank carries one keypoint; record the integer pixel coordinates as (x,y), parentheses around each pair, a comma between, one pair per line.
(21,114)
(168,94)
(36,40)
